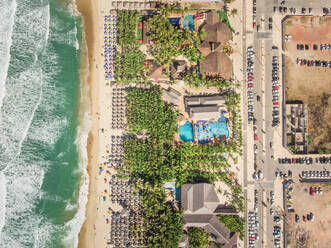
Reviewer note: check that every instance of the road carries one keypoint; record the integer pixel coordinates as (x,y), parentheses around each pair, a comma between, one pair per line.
(263,41)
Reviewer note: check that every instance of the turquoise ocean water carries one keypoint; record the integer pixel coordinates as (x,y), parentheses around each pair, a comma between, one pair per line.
(40,165)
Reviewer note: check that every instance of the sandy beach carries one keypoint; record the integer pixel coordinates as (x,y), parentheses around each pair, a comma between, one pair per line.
(95,231)
(93,38)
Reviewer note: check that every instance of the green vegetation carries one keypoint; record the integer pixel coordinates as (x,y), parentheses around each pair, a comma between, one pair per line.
(234,12)
(310,140)
(289,140)
(162,225)
(147,111)
(156,159)
(170,42)
(197,237)
(224,18)
(129,60)
(232,101)
(227,49)
(234,223)
(197,80)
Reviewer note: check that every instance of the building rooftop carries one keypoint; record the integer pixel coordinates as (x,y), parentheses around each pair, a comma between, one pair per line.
(210,224)
(204,107)
(205,100)
(155,71)
(204,112)
(216,31)
(199,198)
(178,67)
(172,96)
(216,64)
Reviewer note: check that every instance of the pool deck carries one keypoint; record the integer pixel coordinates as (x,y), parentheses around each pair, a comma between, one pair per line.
(199,137)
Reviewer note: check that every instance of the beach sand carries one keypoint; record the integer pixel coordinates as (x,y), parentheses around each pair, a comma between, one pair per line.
(95,230)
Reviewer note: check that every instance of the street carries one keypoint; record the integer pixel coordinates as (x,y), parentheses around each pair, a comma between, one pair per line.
(267,43)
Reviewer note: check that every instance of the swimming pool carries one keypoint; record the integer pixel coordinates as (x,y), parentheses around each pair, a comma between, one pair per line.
(175,21)
(186,132)
(207,130)
(188,22)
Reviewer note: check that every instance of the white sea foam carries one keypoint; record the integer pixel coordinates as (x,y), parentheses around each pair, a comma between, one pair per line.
(70,38)
(76,38)
(76,223)
(83,131)
(3,196)
(24,174)
(23,184)
(49,130)
(7,10)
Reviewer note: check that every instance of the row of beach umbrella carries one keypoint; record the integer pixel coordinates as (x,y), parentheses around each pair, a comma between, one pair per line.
(110,34)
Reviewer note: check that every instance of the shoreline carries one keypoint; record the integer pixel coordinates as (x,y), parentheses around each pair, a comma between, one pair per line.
(85,234)
(88,12)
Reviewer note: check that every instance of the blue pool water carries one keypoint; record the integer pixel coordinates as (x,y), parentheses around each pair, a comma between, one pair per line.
(174,21)
(172,186)
(188,22)
(186,132)
(206,130)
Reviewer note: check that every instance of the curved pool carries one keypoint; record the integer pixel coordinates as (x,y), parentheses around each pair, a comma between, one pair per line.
(186,132)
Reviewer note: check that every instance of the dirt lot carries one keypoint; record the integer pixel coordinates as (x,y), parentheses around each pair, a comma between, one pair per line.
(312,85)
(310,234)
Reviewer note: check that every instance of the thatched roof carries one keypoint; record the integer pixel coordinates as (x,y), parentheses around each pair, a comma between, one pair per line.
(212,18)
(218,32)
(217,64)
(155,70)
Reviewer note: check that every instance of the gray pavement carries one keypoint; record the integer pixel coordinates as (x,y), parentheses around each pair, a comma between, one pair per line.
(266,159)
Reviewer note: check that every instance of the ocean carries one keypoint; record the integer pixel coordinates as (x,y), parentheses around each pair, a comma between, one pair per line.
(42,140)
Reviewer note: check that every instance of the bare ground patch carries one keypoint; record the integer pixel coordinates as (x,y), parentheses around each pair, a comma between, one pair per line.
(312,85)
(308,234)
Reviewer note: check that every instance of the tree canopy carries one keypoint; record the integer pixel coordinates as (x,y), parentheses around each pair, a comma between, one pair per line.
(198,238)
(129,60)
(234,223)
(169,42)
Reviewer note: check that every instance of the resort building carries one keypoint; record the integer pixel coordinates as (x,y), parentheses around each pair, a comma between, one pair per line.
(204,112)
(204,107)
(297,127)
(200,202)
(155,71)
(172,96)
(177,69)
(215,63)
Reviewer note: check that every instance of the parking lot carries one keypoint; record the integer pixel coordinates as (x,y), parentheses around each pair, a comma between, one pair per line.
(310,224)
(308,38)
